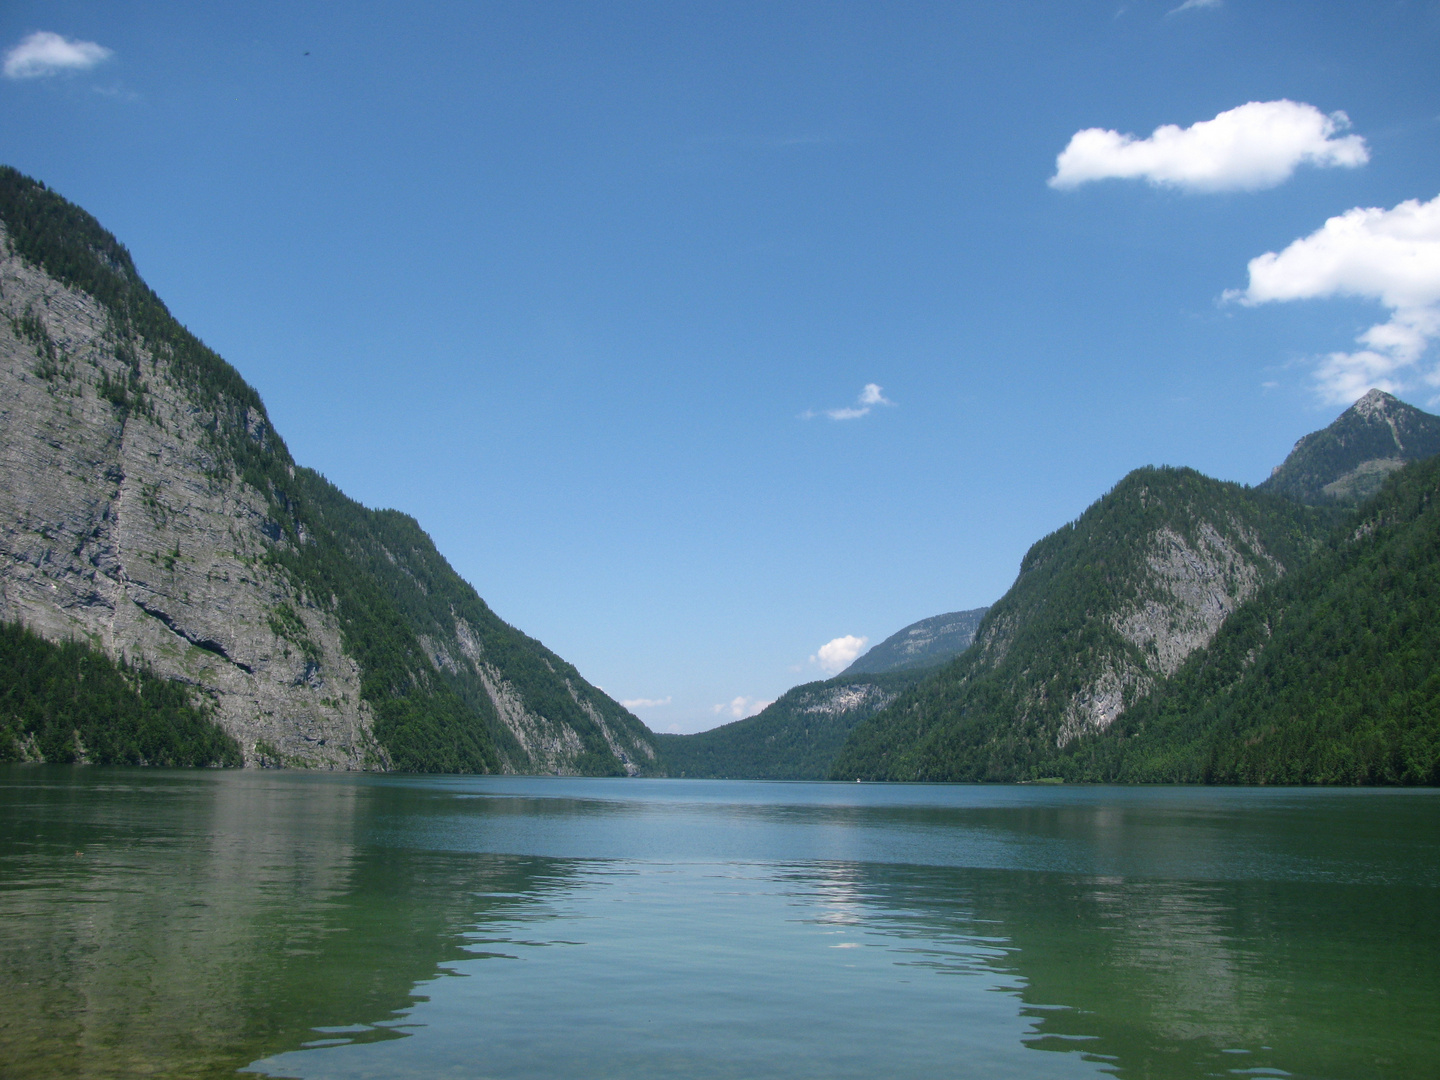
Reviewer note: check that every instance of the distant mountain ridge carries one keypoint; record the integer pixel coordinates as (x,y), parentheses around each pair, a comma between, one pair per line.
(1137,640)
(1349,460)
(795,737)
(922,644)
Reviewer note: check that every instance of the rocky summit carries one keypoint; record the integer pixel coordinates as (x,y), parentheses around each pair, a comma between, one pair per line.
(1349,460)
(150,511)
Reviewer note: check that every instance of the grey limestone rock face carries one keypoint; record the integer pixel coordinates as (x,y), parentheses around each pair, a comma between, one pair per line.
(117,529)
(1192,589)
(1189,589)
(836,701)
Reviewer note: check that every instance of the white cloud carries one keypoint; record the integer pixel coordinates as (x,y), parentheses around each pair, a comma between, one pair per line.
(741,707)
(1257,145)
(869,397)
(1195,5)
(44,53)
(839,653)
(645,703)
(1392,256)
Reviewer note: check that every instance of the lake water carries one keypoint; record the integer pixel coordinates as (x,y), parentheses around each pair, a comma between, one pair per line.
(199,923)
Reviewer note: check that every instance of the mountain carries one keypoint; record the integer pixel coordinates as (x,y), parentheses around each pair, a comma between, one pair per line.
(1187,630)
(795,737)
(150,512)
(1349,460)
(1103,611)
(922,644)
(1329,676)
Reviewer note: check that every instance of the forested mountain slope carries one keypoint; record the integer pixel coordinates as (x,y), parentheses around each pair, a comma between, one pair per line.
(795,737)
(927,643)
(149,510)
(1329,676)
(1103,610)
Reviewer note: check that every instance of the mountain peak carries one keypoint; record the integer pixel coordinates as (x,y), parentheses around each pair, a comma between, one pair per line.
(1376,402)
(1349,460)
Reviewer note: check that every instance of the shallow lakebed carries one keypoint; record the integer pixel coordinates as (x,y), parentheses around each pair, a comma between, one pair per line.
(201,923)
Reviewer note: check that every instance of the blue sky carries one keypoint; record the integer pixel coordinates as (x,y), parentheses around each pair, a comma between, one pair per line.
(579,285)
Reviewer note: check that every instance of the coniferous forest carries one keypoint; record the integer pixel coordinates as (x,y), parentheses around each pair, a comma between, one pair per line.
(70,703)
(1330,674)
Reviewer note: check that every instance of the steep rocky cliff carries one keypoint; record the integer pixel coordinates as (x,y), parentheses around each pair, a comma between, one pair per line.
(149,509)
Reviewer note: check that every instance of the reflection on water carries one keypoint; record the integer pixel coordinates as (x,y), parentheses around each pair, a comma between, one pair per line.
(156,923)
(168,922)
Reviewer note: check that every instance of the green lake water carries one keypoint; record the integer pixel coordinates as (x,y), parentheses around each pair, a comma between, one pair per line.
(200,923)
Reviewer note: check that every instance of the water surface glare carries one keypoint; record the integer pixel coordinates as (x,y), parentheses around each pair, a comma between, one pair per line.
(334,926)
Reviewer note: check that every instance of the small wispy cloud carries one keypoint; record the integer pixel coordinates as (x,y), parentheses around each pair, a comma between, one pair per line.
(1253,146)
(1195,5)
(45,53)
(839,653)
(741,707)
(645,703)
(869,397)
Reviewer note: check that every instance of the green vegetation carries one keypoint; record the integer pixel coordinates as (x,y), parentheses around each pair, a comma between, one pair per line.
(377,570)
(390,587)
(1347,461)
(68,703)
(997,712)
(286,623)
(1328,675)
(795,737)
(1331,676)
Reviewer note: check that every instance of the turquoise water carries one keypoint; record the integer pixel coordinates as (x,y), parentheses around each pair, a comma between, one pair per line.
(282,924)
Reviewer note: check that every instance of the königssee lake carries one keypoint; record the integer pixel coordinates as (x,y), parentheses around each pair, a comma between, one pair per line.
(197,923)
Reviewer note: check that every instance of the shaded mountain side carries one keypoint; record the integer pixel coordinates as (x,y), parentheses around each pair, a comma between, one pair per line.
(1347,461)
(1103,610)
(539,711)
(1329,676)
(927,643)
(149,509)
(795,737)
